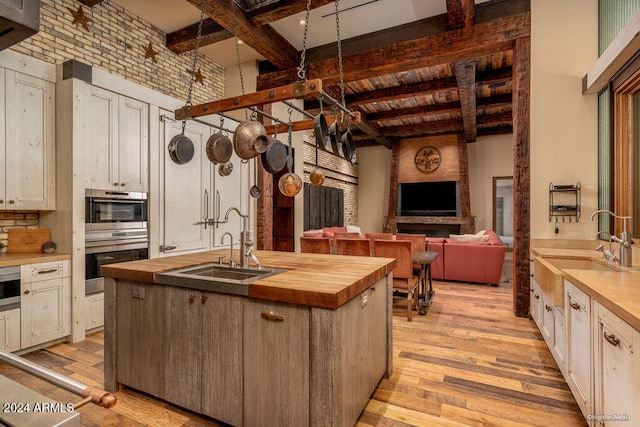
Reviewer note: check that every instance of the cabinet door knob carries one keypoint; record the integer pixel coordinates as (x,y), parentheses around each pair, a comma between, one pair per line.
(203,299)
(537,296)
(122,184)
(546,307)
(1,201)
(611,339)
(26,292)
(192,298)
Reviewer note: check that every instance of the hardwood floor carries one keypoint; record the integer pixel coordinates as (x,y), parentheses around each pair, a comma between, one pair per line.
(469,361)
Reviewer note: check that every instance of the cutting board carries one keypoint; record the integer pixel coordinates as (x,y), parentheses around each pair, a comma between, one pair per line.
(27,240)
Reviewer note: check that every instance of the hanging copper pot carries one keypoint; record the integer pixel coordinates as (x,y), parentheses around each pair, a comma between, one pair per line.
(219,148)
(290,183)
(250,139)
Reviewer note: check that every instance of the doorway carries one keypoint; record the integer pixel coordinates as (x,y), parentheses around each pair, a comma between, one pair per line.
(503,209)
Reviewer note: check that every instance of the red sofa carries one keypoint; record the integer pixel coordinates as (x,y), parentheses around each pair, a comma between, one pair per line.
(468,261)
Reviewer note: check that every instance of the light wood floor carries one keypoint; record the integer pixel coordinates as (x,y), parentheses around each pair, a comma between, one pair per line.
(469,361)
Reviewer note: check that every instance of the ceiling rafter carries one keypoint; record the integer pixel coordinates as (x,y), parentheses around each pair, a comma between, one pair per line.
(479,40)
(466,79)
(460,13)
(184,40)
(264,39)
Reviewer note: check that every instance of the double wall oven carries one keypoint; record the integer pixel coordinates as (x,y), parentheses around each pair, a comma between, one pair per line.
(115,231)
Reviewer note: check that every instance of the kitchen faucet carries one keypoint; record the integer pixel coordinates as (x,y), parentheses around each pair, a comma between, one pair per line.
(246,240)
(625,259)
(232,261)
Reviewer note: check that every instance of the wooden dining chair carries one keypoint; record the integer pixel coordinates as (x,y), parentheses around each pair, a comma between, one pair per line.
(404,280)
(418,243)
(359,247)
(379,236)
(347,235)
(315,245)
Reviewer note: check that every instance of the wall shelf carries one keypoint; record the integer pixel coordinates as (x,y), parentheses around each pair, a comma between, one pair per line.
(564,201)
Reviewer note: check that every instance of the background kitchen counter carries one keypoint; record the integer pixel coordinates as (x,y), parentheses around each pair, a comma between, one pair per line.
(326,281)
(10,259)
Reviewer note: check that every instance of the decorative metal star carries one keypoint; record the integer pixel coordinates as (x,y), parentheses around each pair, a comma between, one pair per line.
(150,53)
(80,18)
(199,77)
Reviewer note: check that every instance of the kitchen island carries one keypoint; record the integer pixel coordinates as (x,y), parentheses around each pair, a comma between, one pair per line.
(307,346)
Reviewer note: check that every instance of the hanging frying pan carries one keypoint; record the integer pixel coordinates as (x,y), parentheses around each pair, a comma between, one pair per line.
(181,149)
(275,158)
(321,131)
(336,136)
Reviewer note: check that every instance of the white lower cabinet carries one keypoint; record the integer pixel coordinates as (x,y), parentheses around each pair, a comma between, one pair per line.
(45,303)
(10,330)
(579,355)
(94,310)
(559,347)
(616,369)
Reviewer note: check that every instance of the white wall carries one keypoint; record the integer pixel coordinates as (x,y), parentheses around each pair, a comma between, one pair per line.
(489,156)
(563,121)
(374,171)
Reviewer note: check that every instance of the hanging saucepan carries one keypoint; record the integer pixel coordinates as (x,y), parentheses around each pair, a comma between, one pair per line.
(336,136)
(274,159)
(290,184)
(321,130)
(250,139)
(219,148)
(181,149)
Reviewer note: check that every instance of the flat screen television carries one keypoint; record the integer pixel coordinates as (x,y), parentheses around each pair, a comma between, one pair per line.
(428,199)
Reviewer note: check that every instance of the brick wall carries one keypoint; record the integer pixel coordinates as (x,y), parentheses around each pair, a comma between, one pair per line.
(116,42)
(338,172)
(15,219)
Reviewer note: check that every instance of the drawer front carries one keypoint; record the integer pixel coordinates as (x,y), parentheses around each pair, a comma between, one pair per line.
(46,271)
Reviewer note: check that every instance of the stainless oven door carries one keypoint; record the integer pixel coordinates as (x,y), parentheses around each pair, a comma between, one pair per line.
(9,287)
(97,256)
(113,210)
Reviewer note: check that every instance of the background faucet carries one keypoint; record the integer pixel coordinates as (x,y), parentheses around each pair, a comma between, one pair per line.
(232,261)
(625,259)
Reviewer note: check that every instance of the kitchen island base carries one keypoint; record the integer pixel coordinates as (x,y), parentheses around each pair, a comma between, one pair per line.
(244,360)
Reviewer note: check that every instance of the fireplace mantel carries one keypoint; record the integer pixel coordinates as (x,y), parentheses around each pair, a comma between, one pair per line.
(436,226)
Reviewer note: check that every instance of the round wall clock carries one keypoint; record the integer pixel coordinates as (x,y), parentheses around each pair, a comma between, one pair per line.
(428,159)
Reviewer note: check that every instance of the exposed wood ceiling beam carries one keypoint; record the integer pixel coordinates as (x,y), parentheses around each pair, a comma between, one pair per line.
(460,13)
(275,11)
(264,39)
(478,40)
(184,40)
(466,78)
(420,111)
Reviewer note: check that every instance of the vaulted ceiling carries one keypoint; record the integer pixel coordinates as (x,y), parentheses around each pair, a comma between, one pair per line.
(447,74)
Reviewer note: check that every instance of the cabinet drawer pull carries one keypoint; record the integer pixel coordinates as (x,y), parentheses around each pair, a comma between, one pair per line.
(51,270)
(574,305)
(270,315)
(192,298)
(11,202)
(26,292)
(546,307)
(203,299)
(537,296)
(611,339)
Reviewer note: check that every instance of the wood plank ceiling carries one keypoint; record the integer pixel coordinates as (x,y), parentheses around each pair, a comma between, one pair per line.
(450,74)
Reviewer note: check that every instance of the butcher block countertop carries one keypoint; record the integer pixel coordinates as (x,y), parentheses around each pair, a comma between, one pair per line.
(326,281)
(618,289)
(11,259)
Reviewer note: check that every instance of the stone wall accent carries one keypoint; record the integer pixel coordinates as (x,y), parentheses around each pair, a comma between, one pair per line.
(339,173)
(116,43)
(15,219)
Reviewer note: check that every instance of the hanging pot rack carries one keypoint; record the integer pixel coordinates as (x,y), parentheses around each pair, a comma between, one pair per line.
(298,90)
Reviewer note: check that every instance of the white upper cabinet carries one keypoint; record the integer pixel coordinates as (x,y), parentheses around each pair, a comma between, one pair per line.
(117,141)
(27,144)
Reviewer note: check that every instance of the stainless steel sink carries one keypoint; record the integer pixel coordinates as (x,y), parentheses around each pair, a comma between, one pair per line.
(216,278)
